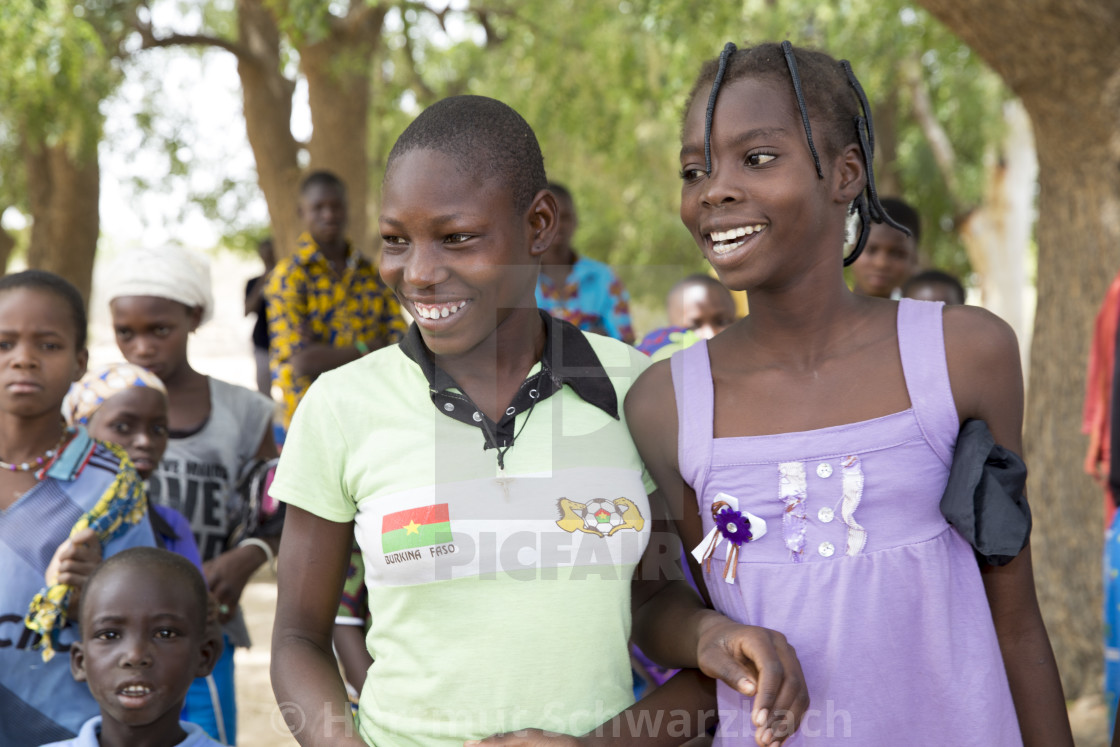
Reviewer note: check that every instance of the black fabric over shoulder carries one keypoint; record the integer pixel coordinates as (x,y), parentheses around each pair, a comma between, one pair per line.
(983,499)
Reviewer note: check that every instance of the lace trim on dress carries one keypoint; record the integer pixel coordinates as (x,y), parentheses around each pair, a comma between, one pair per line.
(793,488)
(852,487)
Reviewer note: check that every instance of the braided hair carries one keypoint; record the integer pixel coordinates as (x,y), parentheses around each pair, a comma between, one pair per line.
(827,93)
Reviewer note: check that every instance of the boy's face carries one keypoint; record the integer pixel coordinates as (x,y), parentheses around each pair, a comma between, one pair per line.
(39,358)
(888,260)
(136,420)
(455,250)
(702,308)
(152,332)
(142,646)
(322,208)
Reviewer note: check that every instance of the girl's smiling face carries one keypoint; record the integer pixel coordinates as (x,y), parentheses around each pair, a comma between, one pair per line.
(760,216)
(39,358)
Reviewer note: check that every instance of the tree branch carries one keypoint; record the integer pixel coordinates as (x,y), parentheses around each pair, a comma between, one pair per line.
(149,40)
(361,21)
(943,153)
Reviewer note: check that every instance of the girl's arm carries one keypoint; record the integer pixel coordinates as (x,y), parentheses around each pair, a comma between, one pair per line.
(987,383)
(314,556)
(350,642)
(671,623)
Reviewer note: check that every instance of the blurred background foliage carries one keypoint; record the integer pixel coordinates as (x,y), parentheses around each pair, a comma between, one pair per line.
(603,85)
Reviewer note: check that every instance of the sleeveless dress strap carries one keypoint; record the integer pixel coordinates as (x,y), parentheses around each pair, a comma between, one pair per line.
(921,344)
(695,393)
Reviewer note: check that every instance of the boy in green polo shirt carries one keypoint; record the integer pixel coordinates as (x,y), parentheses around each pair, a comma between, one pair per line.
(484,468)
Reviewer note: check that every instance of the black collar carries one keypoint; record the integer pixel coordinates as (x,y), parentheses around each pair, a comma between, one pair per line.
(568,358)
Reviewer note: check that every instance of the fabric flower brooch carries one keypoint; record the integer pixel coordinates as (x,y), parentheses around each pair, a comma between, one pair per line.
(733,525)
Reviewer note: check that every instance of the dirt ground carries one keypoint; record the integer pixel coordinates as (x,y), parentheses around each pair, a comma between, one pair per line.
(260,723)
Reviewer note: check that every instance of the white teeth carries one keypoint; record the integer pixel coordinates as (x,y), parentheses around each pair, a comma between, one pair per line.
(736,233)
(438,312)
(136,690)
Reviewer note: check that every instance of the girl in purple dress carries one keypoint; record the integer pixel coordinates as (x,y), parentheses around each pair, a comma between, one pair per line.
(810,442)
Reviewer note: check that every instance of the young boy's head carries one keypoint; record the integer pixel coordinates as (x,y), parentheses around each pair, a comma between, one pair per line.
(935,285)
(122,404)
(157,297)
(323,207)
(701,303)
(465,218)
(890,257)
(144,639)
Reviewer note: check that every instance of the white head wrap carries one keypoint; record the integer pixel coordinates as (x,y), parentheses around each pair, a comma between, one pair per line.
(168,272)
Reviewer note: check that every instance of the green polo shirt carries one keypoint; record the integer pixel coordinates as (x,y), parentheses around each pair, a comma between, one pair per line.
(500,598)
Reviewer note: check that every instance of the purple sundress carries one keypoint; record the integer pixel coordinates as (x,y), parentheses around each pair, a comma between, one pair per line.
(882,600)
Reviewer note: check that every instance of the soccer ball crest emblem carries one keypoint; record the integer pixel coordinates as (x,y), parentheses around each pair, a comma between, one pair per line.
(599,516)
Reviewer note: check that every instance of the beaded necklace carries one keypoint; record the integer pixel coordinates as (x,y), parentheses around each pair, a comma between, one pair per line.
(39,461)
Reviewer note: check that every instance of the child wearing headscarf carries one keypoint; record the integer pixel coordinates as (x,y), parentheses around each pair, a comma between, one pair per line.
(106,402)
(219,435)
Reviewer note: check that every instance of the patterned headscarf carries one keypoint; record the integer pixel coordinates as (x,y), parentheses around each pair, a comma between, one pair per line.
(170,272)
(90,392)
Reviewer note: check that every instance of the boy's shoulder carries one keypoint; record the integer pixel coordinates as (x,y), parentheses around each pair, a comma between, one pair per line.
(89,736)
(386,367)
(196,737)
(612,352)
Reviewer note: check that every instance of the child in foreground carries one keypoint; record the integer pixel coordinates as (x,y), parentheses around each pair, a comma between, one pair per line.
(811,441)
(52,478)
(145,638)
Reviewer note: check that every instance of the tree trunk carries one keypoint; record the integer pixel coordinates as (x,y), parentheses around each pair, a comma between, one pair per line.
(337,69)
(997,234)
(1062,59)
(267,105)
(7,244)
(62,191)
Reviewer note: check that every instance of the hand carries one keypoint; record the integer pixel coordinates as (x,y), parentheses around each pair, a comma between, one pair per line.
(528,738)
(72,564)
(74,560)
(761,663)
(227,575)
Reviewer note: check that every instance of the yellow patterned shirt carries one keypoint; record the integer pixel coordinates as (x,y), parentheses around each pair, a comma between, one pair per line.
(308,302)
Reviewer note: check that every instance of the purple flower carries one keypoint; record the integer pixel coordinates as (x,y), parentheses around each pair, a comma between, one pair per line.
(735,527)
